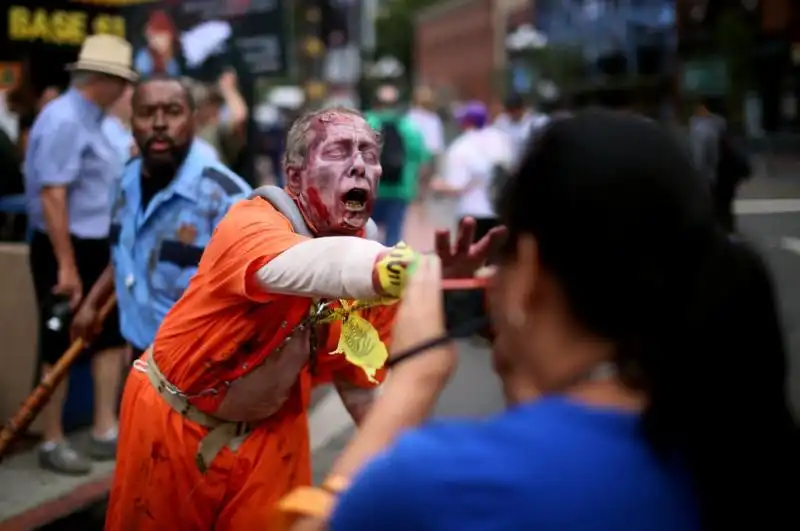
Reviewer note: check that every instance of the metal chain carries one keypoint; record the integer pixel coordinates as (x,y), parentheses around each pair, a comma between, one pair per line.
(323,310)
(314,316)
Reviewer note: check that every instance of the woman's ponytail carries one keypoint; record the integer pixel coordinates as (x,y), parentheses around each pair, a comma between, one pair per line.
(719,396)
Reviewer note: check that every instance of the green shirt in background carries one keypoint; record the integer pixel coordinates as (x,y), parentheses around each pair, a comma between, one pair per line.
(417,155)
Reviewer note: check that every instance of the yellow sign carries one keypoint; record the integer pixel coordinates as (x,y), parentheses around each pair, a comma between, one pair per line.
(314,47)
(114,3)
(59,26)
(315,90)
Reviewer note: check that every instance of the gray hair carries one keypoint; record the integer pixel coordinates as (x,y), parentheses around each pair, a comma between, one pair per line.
(298,139)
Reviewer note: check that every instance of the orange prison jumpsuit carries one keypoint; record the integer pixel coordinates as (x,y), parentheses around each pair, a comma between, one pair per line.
(224,325)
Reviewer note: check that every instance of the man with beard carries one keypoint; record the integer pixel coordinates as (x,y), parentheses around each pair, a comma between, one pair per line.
(214,418)
(165,208)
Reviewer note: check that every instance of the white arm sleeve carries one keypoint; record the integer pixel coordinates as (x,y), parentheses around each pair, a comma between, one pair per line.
(338,267)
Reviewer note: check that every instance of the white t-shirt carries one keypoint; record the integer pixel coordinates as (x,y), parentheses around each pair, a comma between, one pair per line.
(430,127)
(521,131)
(469,165)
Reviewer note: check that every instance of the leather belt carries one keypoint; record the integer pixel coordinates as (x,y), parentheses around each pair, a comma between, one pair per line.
(221,433)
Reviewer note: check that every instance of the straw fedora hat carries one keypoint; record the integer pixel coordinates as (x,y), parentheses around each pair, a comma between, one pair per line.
(106,54)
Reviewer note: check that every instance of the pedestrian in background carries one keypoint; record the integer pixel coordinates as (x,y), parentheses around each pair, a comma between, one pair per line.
(519,122)
(221,118)
(70,167)
(117,126)
(475,164)
(472,164)
(424,117)
(403,159)
(720,160)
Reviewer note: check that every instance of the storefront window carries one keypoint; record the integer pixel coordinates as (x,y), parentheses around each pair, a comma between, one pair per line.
(626,50)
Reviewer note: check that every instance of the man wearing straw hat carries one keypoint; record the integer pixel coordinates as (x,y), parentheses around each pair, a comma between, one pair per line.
(70,165)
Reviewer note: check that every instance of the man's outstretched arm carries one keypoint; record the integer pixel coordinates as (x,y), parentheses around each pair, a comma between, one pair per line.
(338,267)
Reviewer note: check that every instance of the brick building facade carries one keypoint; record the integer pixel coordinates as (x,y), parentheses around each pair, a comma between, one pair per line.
(460,45)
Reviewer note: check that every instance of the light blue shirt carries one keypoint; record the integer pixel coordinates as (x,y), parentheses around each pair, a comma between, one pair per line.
(68,147)
(206,149)
(119,136)
(155,251)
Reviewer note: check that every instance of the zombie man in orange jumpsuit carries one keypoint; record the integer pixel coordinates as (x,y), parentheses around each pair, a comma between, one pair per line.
(214,426)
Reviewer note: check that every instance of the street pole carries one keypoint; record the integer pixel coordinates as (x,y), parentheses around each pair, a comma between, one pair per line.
(369,15)
(312,53)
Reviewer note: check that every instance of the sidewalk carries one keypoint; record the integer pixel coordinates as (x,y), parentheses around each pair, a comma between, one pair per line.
(422,220)
(776,177)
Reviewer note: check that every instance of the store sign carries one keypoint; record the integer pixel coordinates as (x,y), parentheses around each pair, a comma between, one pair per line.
(199,38)
(59,26)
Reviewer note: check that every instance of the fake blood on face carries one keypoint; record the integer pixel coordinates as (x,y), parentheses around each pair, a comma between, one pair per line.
(318,210)
(341,172)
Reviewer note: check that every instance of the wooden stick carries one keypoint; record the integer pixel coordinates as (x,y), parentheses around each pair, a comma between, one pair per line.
(33,405)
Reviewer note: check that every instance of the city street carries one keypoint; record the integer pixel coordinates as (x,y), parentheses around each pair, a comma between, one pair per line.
(769,216)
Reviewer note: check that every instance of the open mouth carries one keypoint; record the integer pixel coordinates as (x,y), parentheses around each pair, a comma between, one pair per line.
(355,200)
(159,145)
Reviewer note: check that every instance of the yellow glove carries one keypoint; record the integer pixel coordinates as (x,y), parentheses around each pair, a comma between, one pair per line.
(393,269)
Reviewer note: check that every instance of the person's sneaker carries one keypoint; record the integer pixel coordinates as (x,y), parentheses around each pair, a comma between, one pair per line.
(63,459)
(102,449)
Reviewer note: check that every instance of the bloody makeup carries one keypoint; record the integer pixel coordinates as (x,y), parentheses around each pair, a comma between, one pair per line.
(337,184)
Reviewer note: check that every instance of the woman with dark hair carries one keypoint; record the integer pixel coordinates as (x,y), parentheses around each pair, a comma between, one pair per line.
(161,55)
(640,350)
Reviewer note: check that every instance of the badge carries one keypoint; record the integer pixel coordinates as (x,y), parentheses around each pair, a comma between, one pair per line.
(187,233)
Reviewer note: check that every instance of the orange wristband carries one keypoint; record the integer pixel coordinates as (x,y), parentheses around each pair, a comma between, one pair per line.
(303,502)
(310,502)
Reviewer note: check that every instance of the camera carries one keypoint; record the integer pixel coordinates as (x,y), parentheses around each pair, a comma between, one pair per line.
(466,312)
